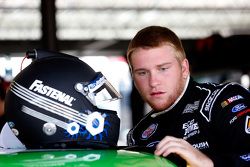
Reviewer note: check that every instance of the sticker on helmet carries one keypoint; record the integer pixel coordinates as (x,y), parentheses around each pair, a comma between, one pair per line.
(95,123)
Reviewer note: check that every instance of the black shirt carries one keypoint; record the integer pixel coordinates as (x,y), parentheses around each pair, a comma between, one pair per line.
(214,118)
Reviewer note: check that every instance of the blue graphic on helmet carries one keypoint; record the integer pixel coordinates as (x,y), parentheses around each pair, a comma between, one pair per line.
(85,134)
(95,123)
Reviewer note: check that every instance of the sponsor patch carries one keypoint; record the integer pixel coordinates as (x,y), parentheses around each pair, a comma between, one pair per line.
(210,100)
(201,145)
(191,128)
(153,144)
(232,120)
(240,114)
(238,107)
(245,157)
(190,108)
(224,104)
(234,98)
(247,125)
(149,131)
(230,100)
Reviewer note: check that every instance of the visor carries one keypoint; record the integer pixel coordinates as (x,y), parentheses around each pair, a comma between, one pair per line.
(98,90)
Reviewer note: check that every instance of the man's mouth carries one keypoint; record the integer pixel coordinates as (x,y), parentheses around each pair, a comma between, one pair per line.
(156,93)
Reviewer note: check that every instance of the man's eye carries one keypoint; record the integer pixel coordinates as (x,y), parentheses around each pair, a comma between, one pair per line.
(163,68)
(141,73)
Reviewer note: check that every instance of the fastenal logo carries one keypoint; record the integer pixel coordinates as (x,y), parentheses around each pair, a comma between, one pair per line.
(38,86)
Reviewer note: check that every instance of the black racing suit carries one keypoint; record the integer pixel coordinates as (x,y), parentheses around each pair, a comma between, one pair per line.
(214,118)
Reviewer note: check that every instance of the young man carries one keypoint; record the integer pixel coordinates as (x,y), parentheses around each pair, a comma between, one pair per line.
(205,124)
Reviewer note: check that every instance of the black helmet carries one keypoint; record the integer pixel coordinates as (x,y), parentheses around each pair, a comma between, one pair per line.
(52,103)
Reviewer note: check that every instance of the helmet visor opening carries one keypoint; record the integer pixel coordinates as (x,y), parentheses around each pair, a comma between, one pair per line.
(98,90)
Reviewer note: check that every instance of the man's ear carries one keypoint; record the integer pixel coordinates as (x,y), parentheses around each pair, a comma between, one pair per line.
(185,68)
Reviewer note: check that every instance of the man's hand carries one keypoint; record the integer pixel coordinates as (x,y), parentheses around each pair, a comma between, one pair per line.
(181,147)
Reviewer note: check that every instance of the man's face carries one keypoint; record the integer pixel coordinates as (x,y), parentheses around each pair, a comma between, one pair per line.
(158,76)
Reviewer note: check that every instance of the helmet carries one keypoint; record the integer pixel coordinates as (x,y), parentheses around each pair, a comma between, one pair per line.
(52,103)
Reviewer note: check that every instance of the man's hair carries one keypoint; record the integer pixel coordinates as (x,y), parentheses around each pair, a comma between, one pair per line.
(155,36)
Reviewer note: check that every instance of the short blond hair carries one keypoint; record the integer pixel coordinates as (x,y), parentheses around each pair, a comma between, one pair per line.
(155,36)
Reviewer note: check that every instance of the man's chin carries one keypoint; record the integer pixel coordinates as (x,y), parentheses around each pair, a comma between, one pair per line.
(158,108)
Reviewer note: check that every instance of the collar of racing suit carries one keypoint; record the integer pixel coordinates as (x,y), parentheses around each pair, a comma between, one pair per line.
(176,101)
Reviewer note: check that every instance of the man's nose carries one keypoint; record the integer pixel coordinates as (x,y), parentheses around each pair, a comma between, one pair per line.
(153,79)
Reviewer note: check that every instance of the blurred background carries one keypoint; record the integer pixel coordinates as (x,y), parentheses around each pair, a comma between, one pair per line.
(215,35)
